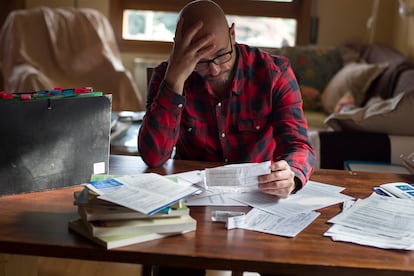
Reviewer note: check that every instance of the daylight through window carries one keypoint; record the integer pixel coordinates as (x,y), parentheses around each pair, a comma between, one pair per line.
(258,31)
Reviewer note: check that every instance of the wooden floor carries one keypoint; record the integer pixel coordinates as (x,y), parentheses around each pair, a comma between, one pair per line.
(16,265)
(65,267)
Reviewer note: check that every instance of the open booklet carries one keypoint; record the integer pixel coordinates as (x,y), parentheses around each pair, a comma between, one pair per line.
(147,193)
(396,189)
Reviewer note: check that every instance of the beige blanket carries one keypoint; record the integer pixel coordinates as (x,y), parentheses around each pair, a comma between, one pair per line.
(43,48)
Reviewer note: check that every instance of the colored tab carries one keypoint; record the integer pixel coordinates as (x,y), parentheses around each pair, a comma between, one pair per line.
(6,96)
(25,97)
(82,90)
(67,91)
(55,92)
(41,93)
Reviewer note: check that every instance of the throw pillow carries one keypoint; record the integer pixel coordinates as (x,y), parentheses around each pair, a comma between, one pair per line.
(354,77)
(392,116)
(311,98)
(313,66)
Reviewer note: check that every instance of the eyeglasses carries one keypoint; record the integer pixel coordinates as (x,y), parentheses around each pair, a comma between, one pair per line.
(218,60)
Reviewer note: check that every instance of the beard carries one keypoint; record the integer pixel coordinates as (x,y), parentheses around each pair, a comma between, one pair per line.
(218,80)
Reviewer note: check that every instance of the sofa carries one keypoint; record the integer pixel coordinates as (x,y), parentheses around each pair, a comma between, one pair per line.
(358,100)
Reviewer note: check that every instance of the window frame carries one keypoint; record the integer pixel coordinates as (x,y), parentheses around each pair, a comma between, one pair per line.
(297,9)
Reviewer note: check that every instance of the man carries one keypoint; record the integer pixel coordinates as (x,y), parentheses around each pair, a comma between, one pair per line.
(217,100)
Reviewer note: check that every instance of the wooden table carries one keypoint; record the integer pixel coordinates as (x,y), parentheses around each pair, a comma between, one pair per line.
(36,224)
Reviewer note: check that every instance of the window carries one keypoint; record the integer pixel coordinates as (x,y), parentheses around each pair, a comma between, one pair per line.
(149,25)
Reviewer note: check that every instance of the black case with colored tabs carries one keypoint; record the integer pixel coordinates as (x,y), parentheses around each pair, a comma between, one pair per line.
(53,143)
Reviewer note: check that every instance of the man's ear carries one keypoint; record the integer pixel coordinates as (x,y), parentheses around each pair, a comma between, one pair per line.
(232,31)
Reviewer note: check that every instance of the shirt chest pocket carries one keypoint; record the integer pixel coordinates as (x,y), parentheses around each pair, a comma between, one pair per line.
(252,125)
(191,126)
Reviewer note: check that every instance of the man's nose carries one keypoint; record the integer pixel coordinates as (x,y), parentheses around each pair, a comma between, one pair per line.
(214,69)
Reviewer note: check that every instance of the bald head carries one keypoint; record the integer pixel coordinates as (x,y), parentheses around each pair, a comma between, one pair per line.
(211,14)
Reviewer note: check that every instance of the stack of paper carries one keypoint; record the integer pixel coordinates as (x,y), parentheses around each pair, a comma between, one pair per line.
(378,221)
(131,209)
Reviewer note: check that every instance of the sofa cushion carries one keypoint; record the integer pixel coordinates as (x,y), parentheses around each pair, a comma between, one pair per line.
(380,53)
(391,116)
(351,51)
(313,67)
(311,98)
(385,85)
(405,81)
(354,78)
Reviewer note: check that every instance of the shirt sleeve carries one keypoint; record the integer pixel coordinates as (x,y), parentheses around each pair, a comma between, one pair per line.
(290,125)
(160,127)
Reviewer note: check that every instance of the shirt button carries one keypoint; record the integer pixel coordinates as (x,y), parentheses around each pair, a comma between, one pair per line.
(223,135)
(180,105)
(257,127)
(226,160)
(189,129)
(219,104)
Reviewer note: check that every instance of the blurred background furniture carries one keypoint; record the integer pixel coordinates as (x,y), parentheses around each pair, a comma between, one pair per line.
(43,48)
(358,99)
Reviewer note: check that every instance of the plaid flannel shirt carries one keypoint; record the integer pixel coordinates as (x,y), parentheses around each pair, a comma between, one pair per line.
(261,117)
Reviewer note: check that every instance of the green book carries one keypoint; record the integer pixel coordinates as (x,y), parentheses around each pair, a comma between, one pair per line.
(114,241)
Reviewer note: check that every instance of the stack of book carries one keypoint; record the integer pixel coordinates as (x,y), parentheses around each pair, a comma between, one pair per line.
(112,225)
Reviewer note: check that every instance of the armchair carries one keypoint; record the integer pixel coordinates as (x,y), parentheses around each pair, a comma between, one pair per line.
(43,48)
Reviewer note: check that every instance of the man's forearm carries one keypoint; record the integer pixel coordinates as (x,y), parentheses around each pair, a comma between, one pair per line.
(160,128)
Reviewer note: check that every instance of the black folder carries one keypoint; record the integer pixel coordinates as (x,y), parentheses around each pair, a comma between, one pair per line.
(53,143)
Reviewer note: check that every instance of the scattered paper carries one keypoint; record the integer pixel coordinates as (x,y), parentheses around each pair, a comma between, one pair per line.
(210,198)
(313,196)
(190,178)
(261,221)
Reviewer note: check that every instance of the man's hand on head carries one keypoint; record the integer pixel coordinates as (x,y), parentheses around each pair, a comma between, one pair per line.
(280,182)
(186,53)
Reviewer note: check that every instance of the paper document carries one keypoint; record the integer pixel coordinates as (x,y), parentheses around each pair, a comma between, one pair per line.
(379,221)
(261,221)
(147,193)
(221,182)
(190,178)
(236,177)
